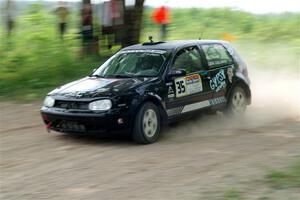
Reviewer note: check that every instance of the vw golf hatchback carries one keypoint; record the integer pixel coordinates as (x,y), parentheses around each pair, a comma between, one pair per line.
(145,86)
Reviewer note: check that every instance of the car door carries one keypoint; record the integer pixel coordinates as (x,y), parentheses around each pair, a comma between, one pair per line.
(192,91)
(221,70)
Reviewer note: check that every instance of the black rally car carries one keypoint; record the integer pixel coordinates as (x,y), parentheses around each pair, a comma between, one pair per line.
(144,86)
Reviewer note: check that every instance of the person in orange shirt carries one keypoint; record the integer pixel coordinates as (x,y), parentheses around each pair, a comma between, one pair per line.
(161,16)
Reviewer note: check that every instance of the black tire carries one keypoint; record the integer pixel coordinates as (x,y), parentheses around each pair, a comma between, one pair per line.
(237,102)
(143,130)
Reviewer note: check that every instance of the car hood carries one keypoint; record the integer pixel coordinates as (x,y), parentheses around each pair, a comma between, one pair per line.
(91,87)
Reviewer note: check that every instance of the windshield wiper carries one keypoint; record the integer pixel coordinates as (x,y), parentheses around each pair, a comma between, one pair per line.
(96,75)
(122,76)
(145,76)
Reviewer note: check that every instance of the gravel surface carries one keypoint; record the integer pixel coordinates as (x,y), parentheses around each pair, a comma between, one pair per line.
(201,158)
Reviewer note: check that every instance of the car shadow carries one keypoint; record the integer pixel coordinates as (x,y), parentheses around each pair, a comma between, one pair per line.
(124,139)
(96,139)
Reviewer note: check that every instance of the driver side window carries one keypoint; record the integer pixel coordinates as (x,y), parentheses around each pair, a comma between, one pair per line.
(188,59)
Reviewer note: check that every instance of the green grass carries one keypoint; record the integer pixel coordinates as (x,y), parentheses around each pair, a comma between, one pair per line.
(213,23)
(34,60)
(232,194)
(289,178)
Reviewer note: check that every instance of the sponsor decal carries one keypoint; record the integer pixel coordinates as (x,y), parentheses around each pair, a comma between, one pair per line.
(174,111)
(171,93)
(195,106)
(230,73)
(218,81)
(144,51)
(79,94)
(188,85)
(217,62)
(216,101)
(194,83)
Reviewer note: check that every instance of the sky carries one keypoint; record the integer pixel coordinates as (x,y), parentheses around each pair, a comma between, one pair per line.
(254,6)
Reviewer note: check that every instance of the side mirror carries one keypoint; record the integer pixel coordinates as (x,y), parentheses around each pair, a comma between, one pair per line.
(176,73)
(94,70)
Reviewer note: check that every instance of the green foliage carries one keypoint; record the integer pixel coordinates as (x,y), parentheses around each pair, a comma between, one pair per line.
(213,23)
(35,60)
(285,179)
(232,194)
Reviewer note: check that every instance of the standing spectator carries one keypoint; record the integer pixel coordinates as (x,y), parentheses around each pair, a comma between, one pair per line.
(87,27)
(62,12)
(161,16)
(9,15)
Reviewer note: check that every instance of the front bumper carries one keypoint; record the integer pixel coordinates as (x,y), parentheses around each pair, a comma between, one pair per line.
(86,121)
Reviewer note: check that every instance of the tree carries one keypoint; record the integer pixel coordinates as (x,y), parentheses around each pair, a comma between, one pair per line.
(132,23)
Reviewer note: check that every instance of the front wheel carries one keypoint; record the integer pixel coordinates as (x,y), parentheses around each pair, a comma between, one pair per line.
(147,124)
(237,102)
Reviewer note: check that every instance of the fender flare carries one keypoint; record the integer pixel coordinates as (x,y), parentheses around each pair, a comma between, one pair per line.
(240,81)
(158,101)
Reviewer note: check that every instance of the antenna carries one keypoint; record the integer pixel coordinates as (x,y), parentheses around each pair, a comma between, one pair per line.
(150,39)
(200,38)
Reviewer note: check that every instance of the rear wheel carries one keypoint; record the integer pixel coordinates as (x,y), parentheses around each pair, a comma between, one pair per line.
(147,124)
(237,102)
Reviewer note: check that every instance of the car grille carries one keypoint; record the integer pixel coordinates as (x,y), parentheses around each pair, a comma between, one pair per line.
(71,104)
(71,126)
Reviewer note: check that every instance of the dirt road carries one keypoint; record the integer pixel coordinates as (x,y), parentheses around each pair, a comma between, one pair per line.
(198,159)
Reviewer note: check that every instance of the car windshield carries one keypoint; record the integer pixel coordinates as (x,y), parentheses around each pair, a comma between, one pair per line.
(133,63)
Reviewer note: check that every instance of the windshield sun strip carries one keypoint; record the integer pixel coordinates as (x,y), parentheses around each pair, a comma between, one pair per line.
(144,51)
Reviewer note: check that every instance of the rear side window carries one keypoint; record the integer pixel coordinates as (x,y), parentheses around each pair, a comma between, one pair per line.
(188,59)
(216,55)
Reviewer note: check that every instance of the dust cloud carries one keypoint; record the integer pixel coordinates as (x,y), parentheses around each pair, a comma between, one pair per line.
(275,100)
(276,95)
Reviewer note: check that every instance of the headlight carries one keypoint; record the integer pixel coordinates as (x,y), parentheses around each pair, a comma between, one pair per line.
(49,101)
(100,105)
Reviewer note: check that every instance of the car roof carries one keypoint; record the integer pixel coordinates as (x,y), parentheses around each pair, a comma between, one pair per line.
(170,45)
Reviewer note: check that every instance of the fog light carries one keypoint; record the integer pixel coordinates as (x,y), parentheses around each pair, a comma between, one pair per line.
(120,121)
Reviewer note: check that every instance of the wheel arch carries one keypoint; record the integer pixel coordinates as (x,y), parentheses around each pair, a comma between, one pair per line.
(242,83)
(160,105)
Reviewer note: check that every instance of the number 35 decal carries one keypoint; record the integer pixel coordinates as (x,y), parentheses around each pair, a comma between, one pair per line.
(180,85)
(187,85)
